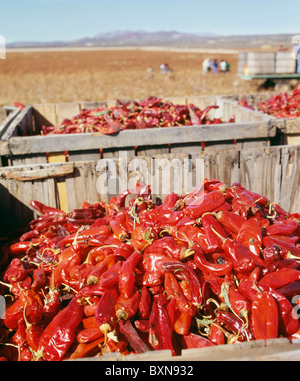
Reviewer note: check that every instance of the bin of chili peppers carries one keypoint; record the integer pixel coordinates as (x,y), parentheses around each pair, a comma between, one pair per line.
(215,267)
(284,108)
(88,130)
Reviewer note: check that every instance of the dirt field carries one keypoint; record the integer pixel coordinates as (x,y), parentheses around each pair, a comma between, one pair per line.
(63,76)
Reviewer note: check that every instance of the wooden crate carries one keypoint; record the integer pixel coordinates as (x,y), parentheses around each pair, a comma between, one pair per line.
(7,115)
(259,63)
(259,350)
(248,130)
(270,171)
(288,129)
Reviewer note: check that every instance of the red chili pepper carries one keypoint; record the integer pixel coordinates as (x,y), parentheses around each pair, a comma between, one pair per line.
(44,209)
(171,247)
(208,222)
(210,268)
(33,333)
(70,257)
(145,303)
(61,332)
(105,314)
(192,340)
(232,222)
(183,272)
(264,317)
(271,254)
(118,225)
(34,305)
(237,251)
(286,227)
(15,272)
(126,308)
(173,289)
(141,237)
(288,324)
(87,349)
(280,278)
(19,248)
(88,335)
(250,235)
(284,246)
(205,204)
(132,336)
(183,323)
(39,279)
(95,275)
(127,274)
(160,332)
(110,277)
(216,335)
(234,325)
(237,302)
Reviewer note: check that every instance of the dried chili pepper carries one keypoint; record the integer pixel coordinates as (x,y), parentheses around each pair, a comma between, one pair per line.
(264,316)
(60,332)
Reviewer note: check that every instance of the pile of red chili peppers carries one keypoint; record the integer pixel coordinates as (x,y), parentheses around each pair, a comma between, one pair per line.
(216,266)
(148,113)
(280,106)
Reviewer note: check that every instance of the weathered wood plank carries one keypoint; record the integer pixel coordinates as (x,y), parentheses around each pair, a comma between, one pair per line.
(38,174)
(157,136)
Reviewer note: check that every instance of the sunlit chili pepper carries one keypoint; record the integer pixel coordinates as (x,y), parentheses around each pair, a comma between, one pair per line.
(264,316)
(192,340)
(160,328)
(184,272)
(126,308)
(60,332)
(127,274)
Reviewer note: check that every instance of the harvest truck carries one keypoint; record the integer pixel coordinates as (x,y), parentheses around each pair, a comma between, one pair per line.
(276,70)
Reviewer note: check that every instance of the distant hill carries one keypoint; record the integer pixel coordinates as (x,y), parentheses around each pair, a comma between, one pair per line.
(171,39)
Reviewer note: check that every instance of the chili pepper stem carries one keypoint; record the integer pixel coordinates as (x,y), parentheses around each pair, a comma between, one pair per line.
(219,235)
(224,293)
(105,328)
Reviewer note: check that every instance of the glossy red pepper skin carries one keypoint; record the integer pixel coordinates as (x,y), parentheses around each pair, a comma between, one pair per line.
(230,221)
(184,272)
(286,227)
(88,334)
(44,209)
(127,274)
(211,268)
(205,204)
(126,308)
(288,324)
(280,278)
(264,317)
(105,313)
(216,335)
(250,235)
(208,222)
(61,332)
(173,290)
(19,248)
(160,328)
(145,303)
(192,340)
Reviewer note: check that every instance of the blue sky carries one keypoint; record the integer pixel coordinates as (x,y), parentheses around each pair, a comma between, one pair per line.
(48,20)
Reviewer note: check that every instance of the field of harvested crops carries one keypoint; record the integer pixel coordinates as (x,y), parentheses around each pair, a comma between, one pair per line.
(62,76)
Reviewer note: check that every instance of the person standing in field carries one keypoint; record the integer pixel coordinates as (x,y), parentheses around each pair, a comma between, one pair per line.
(206,66)
(215,66)
(223,66)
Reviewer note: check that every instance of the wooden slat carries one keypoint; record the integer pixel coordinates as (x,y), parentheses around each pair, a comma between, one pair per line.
(38,174)
(157,136)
